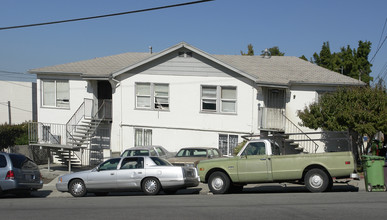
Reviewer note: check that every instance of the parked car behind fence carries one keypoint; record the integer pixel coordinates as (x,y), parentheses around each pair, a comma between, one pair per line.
(151,151)
(191,156)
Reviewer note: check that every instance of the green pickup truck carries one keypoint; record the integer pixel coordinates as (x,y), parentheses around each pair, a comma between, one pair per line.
(260,161)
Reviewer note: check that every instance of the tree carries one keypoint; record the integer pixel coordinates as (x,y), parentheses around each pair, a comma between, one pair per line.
(360,110)
(274,51)
(250,51)
(11,135)
(303,58)
(350,62)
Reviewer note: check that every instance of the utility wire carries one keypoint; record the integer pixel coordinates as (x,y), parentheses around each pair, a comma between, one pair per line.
(380,46)
(103,16)
(16,108)
(5,71)
(381,35)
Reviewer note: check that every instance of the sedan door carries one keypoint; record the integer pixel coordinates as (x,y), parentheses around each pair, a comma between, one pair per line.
(105,176)
(131,173)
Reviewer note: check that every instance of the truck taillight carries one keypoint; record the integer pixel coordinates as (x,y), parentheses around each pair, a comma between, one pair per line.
(10,175)
(347,162)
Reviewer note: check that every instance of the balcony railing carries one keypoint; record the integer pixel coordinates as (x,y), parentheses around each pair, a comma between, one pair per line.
(271,119)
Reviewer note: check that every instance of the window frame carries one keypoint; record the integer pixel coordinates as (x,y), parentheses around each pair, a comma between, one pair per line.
(61,104)
(230,141)
(218,100)
(146,137)
(152,97)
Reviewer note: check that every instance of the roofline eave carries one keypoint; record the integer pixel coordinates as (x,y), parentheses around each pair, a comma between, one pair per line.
(54,73)
(327,84)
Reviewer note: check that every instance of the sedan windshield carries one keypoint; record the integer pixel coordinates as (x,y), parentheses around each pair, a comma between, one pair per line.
(192,153)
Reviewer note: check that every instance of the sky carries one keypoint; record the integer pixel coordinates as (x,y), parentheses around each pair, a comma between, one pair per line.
(297,27)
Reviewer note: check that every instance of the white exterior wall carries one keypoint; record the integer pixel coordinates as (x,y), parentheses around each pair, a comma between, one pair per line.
(184,124)
(79,90)
(20,94)
(300,97)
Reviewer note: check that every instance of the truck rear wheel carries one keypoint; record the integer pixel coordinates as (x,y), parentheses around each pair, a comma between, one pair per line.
(316,180)
(219,183)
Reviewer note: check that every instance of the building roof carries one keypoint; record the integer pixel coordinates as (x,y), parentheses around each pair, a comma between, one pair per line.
(275,70)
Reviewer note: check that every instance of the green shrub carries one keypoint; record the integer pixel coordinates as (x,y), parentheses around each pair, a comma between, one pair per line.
(239,147)
(11,135)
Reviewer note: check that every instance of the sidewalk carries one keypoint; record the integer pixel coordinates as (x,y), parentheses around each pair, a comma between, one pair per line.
(51,177)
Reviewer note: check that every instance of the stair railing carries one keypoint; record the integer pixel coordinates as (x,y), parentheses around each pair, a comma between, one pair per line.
(299,136)
(85,110)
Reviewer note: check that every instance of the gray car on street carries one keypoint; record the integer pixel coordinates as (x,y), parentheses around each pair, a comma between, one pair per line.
(141,173)
(18,174)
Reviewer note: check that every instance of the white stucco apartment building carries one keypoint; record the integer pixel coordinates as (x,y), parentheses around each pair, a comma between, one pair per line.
(179,97)
(17,102)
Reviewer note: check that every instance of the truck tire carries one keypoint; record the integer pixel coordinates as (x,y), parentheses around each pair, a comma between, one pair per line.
(316,180)
(219,183)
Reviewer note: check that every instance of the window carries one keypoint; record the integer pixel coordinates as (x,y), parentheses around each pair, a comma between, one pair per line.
(160,151)
(153,96)
(55,93)
(255,148)
(110,164)
(132,163)
(142,137)
(3,161)
(219,99)
(160,162)
(227,143)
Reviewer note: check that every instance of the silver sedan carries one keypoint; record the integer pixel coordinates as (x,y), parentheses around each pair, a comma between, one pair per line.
(143,173)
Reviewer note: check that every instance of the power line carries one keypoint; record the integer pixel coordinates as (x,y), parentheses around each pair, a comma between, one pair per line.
(103,16)
(378,49)
(5,71)
(16,108)
(381,35)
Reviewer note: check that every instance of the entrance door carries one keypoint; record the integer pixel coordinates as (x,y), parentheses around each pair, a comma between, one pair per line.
(104,93)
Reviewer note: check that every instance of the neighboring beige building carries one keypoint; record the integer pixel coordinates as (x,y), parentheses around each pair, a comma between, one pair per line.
(17,102)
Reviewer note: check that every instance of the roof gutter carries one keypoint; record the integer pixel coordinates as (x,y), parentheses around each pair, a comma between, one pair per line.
(273,85)
(326,84)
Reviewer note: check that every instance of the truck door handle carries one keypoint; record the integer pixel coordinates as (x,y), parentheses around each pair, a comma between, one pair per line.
(262,159)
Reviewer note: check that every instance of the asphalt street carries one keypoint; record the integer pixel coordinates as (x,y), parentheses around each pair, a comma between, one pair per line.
(263,201)
(249,205)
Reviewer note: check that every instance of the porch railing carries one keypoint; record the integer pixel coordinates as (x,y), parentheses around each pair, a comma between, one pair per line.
(271,119)
(47,133)
(274,119)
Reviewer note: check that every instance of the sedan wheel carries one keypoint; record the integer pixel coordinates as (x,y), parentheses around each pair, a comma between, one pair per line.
(151,186)
(77,188)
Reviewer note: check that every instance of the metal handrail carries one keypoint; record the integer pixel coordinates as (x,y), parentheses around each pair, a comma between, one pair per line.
(301,132)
